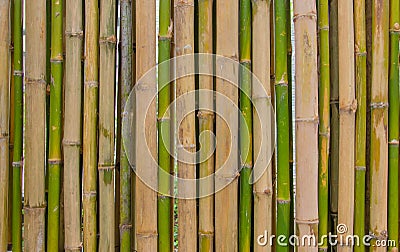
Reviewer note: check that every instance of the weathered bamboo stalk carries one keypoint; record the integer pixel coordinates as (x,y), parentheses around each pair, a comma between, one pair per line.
(186,133)
(18,128)
(5,55)
(226,205)
(393,176)
(35,129)
(206,127)
(263,188)
(361,120)
(165,218)
(106,163)
(347,110)
(72,124)
(54,159)
(379,121)
(282,119)
(334,92)
(90,109)
(306,121)
(127,76)
(146,163)
(245,127)
(324,122)
(12,128)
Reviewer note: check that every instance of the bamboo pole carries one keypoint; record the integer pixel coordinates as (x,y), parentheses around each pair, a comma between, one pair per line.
(245,127)
(347,109)
(379,120)
(35,130)
(361,120)
(324,122)
(263,188)
(334,92)
(54,159)
(226,205)
(90,125)
(282,119)
(146,163)
(5,38)
(186,137)
(72,124)
(164,159)
(18,128)
(106,163)
(393,176)
(206,127)
(306,120)
(127,74)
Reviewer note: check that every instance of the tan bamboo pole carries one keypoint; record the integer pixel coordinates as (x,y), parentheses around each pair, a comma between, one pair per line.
(146,164)
(379,121)
(347,121)
(306,121)
(90,125)
(206,125)
(72,124)
(226,200)
(263,188)
(106,163)
(5,56)
(35,129)
(186,137)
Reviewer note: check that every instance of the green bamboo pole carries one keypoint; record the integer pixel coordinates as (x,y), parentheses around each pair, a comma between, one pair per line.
(106,163)
(206,127)
(305,27)
(393,199)
(324,122)
(379,121)
(54,160)
(245,127)
(282,119)
(127,57)
(334,92)
(72,124)
(18,128)
(90,125)
(164,159)
(5,55)
(361,120)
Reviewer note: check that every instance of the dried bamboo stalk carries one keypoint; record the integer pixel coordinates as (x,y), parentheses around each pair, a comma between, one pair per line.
(146,163)
(226,205)
(90,109)
(379,121)
(263,188)
(5,56)
(306,120)
(72,124)
(347,110)
(35,129)
(106,163)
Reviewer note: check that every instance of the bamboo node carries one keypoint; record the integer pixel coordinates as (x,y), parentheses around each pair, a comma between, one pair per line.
(146,235)
(324,28)
(261,97)
(350,108)
(361,54)
(124,227)
(379,105)
(90,84)
(395,29)
(361,168)
(77,34)
(281,83)
(11,146)
(314,119)
(189,147)
(106,167)
(31,81)
(108,40)
(55,162)
(58,59)
(204,114)
(18,73)
(283,201)
(245,61)
(4,135)
(72,248)
(90,194)
(71,143)
(17,164)
(41,208)
(206,234)
(247,166)
(164,119)
(334,101)
(310,15)
(394,142)
(307,222)
(183,4)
